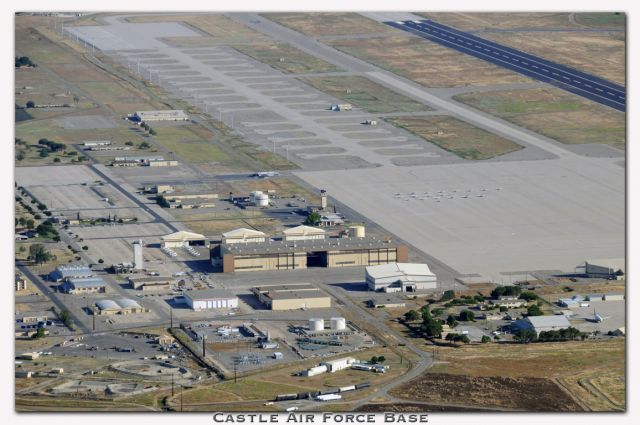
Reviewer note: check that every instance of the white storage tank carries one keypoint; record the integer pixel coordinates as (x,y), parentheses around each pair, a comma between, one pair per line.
(316,324)
(356,231)
(338,323)
(262,200)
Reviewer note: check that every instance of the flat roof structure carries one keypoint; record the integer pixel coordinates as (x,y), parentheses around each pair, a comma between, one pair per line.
(209,294)
(395,277)
(121,306)
(165,115)
(83,285)
(291,297)
(327,244)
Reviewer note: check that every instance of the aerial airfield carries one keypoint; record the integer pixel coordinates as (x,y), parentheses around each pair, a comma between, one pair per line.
(320,212)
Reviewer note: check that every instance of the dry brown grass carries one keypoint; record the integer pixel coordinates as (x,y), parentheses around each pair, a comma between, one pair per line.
(456,136)
(328,24)
(496,20)
(286,58)
(426,62)
(552,112)
(574,364)
(601,53)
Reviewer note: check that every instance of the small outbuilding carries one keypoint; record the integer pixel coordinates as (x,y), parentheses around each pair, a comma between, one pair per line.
(243,235)
(207,299)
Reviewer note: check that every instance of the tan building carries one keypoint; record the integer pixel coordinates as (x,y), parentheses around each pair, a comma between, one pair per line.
(301,254)
(291,297)
(151,283)
(302,232)
(243,235)
(162,163)
(123,306)
(200,200)
(182,238)
(164,340)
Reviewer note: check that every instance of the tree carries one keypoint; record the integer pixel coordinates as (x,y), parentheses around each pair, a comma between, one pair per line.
(20,155)
(313,219)
(465,339)
(152,131)
(412,316)
(503,309)
(30,224)
(22,221)
(374,360)
(485,339)
(56,159)
(44,153)
(39,333)
(512,291)
(534,310)
(30,104)
(432,329)
(144,145)
(451,321)
(129,143)
(467,316)
(381,359)
(525,336)
(529,296)
(448,295)
(101,261)
(39,254)
(85,248)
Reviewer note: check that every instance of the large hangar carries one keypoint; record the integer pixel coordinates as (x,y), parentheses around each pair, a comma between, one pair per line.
(400,277)
(302,254)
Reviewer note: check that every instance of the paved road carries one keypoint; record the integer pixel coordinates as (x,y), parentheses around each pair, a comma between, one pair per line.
(561,76)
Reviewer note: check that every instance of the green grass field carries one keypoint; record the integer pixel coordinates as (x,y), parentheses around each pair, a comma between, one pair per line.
(365,94)
(552,112)
(456,136)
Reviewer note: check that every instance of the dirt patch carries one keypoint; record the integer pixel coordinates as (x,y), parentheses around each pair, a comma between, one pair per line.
(552,112)
(529,394)
(456,136)
(426,62)
(414,408)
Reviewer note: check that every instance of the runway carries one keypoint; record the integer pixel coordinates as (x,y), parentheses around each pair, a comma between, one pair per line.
(561,76)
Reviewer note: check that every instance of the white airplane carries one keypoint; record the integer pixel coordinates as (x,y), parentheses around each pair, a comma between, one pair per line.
(598,318)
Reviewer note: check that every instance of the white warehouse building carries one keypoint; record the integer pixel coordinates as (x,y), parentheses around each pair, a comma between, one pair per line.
(207,299)
(302,233)
(400,277)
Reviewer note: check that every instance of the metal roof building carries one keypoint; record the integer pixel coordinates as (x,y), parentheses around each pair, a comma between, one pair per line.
(607,268)
(243,235)
(291,297)
(122,306)
(83,286)
(542,323)
(71,271)
(400,277)
(210,299)
(303,232)
(183,238)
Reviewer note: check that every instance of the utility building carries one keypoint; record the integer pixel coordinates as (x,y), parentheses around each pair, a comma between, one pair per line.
(123,306)
(210,299)
(400,277)
(151,283)
(301,254)
(291,297)
(542,323)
